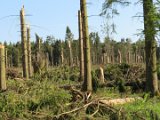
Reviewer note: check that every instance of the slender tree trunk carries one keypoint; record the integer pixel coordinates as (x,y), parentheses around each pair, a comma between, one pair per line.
(47,61)
(52,63)
(29,53)
(38,43)
(150,48)
(108,59)
(70,53)
(135,55)
(6,58)
(24,44)
(112,55)
(38,48)
(81,47)
(2,68)
(11,61)
(128,57)
(87,85)
(104,58)
(119,57)
(101,75)
(62,57)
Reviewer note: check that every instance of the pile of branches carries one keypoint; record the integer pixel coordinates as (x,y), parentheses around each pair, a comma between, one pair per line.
(12,73)
(125,75)
(84,106)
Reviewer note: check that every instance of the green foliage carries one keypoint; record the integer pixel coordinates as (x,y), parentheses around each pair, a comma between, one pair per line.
(95,81)
(69,35)
(56,52)
(148,110)
(112,72)
(60,73)
(26,97)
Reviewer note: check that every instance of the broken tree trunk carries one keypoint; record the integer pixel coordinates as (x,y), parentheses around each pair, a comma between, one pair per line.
(24,44)
(2,68)
(119,57)
(29,53)
(101,75)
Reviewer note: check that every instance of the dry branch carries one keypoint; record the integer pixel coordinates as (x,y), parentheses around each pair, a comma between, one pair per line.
(101,102)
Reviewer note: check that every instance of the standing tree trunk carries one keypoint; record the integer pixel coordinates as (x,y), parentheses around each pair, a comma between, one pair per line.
(101,75)
(87,85)
(70,53)
(150,48)
(112,55)
(24,44)
(104,58)
(29,53)
(2,68)
(135,55)
(6,58)
(52,63)
(38,43)
(47,61)
(128,57)
(62,56)
(119,57)
(81,47)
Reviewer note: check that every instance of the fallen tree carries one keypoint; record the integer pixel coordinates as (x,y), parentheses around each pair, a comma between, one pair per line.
(100,103)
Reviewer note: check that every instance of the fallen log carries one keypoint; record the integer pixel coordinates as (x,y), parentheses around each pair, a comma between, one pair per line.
(119,101)
(100,102)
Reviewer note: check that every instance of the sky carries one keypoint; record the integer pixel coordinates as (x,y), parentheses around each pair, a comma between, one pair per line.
(50,17)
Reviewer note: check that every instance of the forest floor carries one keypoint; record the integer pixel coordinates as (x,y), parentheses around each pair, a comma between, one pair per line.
(46,97)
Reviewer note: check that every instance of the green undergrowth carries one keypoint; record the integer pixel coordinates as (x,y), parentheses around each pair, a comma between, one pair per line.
(32,99)
(41,98)
(146,109)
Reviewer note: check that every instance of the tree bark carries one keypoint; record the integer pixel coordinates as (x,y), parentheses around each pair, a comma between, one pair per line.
(30,71)
(70,53)
(2,69)
(150,48)
(81,47)
(119,57)
(24,44)
(87,85)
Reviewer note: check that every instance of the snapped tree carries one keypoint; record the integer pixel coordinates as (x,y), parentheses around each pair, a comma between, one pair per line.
(24,44)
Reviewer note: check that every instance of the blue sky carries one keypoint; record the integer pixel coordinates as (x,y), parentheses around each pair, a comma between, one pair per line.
(52,17)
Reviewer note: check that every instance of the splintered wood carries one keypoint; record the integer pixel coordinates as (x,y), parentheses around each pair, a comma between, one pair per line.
(119,101)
